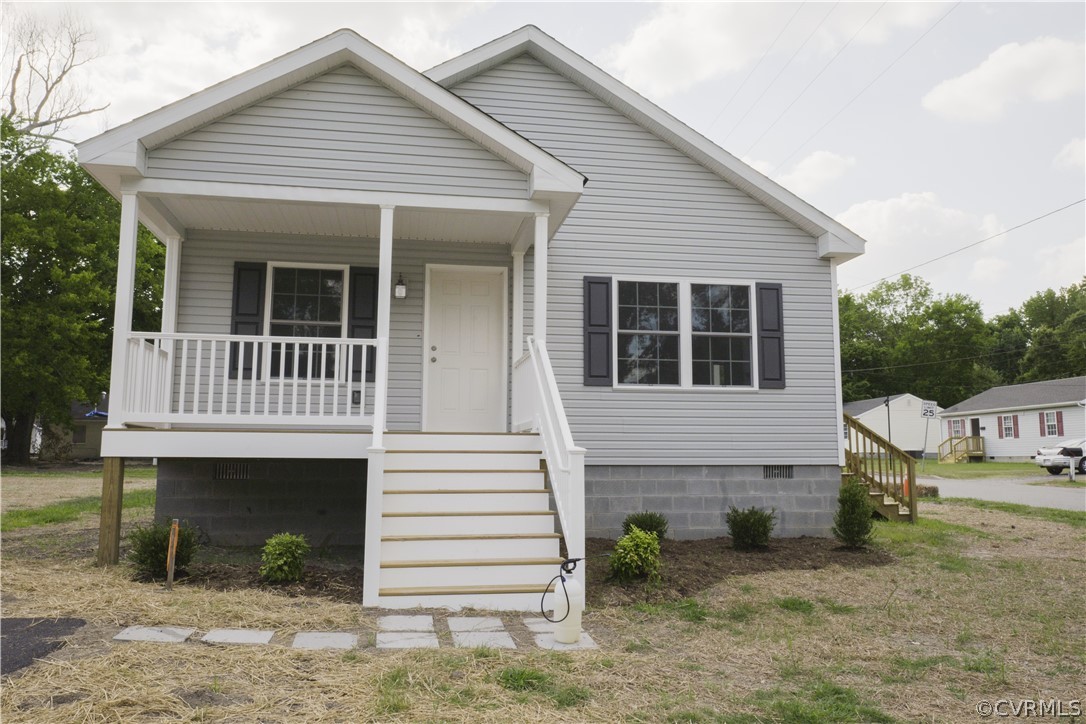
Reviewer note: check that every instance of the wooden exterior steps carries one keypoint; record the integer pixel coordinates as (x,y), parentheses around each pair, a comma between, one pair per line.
(466,521)
(888,472)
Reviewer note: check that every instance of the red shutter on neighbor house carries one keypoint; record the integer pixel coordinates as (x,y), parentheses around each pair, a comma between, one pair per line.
(1059,423)
(1041,417)
(949,428)
(999,424)
(1014,421)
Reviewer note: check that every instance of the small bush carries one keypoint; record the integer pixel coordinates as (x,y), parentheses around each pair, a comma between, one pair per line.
(927,491)
(284,558)
(750,528)
(852,524)
(647,521)
(149,546)
(636,556)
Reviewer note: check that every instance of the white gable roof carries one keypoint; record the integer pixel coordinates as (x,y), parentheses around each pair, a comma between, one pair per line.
(834,239)
(122,150)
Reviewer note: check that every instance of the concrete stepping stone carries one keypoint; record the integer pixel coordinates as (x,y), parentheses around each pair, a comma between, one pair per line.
(546,641)
(539,625)
(475,623)
(316,640)
(483,639)
(405,623)
(407,639)
(237,636)
(155,634)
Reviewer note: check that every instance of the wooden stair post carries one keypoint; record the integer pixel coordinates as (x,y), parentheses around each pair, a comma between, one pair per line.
(109,527)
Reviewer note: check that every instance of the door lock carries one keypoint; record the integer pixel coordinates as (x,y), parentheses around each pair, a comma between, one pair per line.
(433,348)
(433,359)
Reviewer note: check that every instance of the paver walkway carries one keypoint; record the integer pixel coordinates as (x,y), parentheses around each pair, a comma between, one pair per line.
(393,632)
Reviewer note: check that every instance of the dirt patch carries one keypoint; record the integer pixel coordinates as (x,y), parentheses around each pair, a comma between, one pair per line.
(1007,535)
(337,583)
(35,491)
(692,566)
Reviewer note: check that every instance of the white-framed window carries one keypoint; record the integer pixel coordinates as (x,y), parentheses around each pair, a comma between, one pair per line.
(957,428)
(1052,425)
(1007,421)
(305,300)
(685,334)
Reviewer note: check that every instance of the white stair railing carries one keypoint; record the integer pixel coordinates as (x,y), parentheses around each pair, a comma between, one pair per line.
(245,380)
(538,406)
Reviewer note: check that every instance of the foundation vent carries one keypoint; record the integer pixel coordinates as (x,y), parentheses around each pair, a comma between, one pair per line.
(231,471)
(777,472)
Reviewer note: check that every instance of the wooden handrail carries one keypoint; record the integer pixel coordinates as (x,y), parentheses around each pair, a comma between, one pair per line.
(881,465)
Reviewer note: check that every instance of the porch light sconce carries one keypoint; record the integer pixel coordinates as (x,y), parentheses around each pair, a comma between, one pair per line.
(401,289)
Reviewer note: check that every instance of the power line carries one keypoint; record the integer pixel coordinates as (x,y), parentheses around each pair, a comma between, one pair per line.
(970,246)
(756,66)
(864,89)
(953,359)
(812,81)
(780,72)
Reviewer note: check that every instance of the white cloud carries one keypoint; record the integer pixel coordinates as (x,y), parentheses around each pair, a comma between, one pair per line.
(1046,69)
(683,44)
(762,167)
(1063,261)
(815,171)
(1072,155)
(989,270)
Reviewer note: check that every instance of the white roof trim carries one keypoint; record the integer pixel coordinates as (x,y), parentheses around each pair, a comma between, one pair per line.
(835,241)
(124,146)
(1019,408)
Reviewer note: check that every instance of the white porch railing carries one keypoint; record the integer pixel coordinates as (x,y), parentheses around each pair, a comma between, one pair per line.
(247,380)
(538,406)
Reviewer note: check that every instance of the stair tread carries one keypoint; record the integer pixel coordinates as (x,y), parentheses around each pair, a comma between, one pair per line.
(455,491)
(471,536)
(466,562)
(465,590)
(449,513)
(457,432)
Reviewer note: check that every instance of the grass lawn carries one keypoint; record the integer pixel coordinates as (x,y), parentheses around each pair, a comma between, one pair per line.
(975,602)
(68,510)
(35,487)
(988,469)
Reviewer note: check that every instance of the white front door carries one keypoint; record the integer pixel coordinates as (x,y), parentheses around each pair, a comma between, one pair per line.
(465,350)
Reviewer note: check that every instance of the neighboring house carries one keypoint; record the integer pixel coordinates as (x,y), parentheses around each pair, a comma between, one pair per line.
(1015,420)
(907,429)
(373,275)
(88,421)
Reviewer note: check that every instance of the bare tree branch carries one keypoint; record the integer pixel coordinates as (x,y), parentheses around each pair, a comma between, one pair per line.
(41,92)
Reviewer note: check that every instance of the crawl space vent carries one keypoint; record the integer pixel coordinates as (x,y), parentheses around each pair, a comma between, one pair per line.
(231,471)
(777,472)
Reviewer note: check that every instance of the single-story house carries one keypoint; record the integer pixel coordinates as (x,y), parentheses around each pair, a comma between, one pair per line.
(82,438)
(1014,420)
(455,315)
(905,426)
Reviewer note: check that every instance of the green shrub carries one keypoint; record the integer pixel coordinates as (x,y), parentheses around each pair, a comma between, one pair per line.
(636,557)
(750,528)
(852,524)
(149,546)
(647,521)
(927,491)
(284,558)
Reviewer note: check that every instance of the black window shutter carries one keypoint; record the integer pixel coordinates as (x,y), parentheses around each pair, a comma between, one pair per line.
(770,336)
(362,322)
(247,317)
(597,331)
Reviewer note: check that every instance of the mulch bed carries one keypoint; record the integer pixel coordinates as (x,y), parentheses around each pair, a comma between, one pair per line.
(24,640)
(689,567)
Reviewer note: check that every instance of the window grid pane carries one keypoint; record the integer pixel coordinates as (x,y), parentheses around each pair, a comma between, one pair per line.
(1051,428)
(305,303)
(648,339)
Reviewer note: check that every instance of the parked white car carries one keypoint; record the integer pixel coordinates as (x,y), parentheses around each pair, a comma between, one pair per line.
(1050,459)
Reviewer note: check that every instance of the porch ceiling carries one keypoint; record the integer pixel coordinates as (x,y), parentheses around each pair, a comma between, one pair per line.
(341,220)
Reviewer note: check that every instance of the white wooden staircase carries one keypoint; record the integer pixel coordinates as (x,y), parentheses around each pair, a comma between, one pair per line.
(466,522)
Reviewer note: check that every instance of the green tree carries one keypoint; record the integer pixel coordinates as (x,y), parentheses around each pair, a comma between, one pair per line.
(1057,344)
(59,259)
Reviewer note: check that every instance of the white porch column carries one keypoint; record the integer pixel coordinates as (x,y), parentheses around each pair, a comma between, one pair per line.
(518,304)
(122,313)
(384,301)
(170,283)
(539,313)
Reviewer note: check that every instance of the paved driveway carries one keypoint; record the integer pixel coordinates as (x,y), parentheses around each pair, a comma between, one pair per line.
(1008,490)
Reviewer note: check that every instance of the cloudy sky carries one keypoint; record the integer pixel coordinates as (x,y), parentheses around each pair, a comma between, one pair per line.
(923,127)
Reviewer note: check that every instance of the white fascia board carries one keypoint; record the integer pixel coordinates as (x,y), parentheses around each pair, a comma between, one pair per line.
(1000,410)
(339,48)
(126,443)
(840,242)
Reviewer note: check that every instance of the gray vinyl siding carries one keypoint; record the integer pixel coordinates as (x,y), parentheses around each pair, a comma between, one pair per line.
(342,130)
(650,211)
(207,278)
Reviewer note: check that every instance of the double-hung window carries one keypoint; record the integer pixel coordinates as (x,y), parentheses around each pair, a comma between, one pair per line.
(957,428)
(305,302)
(684,334)
(1052,425)
(1007,423)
